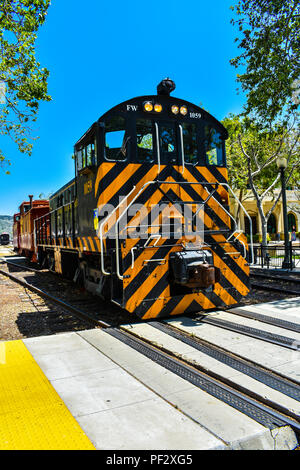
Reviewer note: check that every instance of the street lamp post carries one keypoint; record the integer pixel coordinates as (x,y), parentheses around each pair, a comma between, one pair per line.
(282,164)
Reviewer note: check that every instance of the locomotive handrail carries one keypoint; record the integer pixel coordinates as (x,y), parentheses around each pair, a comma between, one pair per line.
(210,196)
(236,237)
(54,211)
(119,275)
(117,224)
(204,202)
(157,236)
(38,230)
(182,148)
(239,203)
(101,234)
(250,220)
(158,148)
(228,213)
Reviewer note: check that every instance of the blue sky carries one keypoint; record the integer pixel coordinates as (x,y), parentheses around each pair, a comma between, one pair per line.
(101,53)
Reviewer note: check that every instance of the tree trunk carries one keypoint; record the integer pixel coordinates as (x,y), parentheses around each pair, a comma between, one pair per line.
(264,231)
(264,222)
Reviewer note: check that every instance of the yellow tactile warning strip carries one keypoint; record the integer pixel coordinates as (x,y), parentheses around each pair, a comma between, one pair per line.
(32,415)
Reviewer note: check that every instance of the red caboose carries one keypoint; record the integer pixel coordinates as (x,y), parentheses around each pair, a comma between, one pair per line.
(29,211)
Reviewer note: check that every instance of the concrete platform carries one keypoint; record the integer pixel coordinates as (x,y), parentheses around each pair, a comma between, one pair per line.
(88,390)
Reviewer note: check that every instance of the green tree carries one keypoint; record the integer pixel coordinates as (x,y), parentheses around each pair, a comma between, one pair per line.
(252,151)
(24,79)
(270,43)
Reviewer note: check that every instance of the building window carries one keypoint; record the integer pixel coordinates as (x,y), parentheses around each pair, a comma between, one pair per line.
(247,224)
(272,225)
(292,223)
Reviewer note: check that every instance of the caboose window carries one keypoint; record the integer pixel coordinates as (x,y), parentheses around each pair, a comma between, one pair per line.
(115,139)
(190,143)
(144,140)
(213,147)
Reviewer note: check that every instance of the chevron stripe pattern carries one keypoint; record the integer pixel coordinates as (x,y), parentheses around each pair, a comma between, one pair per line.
(146,283)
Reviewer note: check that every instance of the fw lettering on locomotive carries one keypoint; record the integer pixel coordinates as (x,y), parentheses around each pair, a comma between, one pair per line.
(145,222)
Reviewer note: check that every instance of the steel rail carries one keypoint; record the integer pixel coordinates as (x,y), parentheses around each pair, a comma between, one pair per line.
(277,288)
(84,316)
(27,268)
(276,277)
(287,325)
(280,340)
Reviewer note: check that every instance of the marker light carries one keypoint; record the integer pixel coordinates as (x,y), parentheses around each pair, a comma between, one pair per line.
(158,108)
(183,110)
(175,109)
(148,106)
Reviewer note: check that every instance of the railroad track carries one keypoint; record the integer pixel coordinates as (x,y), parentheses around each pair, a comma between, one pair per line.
(44,283)
(279,340)
(257,407)
(265,319)
(289,278)
(276,283)
(55,300)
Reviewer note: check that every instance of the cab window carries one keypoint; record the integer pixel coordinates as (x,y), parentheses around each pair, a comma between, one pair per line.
(116,139)
(167,138)
(86,154)
(189,132)
(83,156)
(90,154)
(213,147)
(80,160)
(144,140)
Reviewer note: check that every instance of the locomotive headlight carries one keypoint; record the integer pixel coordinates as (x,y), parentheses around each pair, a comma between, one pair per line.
(175,109)
(158,108)
(183,110)
(148,106)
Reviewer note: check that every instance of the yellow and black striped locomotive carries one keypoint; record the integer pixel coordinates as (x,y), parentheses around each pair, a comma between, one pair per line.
(145,222)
